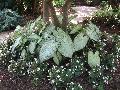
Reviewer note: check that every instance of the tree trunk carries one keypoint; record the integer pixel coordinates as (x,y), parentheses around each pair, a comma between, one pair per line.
(53,15)
(65,9)
(45,12)
(48,9)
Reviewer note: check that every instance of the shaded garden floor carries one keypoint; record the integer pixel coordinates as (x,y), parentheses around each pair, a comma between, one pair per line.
(9,81)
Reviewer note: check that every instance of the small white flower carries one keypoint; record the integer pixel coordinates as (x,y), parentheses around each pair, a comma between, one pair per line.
(71,83)
(72,88)
(38,69)
(0,51)
(57,71)
(61,66)
(77,61)
(52,81)
(36,28)
(66,75)
(58,76)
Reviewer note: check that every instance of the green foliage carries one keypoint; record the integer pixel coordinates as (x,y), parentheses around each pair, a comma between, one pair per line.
(29,67)
(58,3)
(97,77)
(65,43)
(9,19)
(92,2)
(57,58)
(93,32)
(93,59)
(108,16)
(62,76)
(89,1)
(80,41)
(74,86)
(107,10)
(47,50)
(22,6)
(108,58)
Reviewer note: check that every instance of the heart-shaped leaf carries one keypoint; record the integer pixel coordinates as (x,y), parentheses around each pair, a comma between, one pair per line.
(93,32)
(17,42)
(93,59)
(57,58)
(47,50)
(80,41)
(65,43)
(32,46)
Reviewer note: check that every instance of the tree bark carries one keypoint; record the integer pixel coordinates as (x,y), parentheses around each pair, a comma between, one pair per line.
(45,12)
(53,15)
(65,9)
(49,10)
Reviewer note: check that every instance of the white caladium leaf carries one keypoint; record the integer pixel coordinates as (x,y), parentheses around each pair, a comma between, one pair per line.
(93,59)
(34,36)
(93,32)
(23,53)
(32,26)
(75,29)
(80,41)
(17,42)
(18,28)
(57,58)
(65,43)
(31,47)
(48,31)
(47,50)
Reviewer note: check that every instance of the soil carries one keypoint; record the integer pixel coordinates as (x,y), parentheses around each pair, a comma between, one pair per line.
(9,81)
(111,26)
(4,36)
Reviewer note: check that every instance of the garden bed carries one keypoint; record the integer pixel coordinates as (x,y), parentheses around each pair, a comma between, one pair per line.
(17,81)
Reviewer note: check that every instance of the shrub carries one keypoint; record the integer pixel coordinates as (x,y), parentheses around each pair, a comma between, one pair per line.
(9,19)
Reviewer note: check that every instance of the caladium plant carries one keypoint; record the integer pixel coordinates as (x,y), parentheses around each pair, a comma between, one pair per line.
(51,41)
